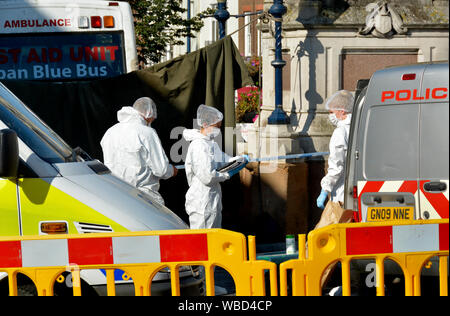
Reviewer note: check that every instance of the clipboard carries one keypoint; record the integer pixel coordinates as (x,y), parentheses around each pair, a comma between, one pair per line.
(235,164)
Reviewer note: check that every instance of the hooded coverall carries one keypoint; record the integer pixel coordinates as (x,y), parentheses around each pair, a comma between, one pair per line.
(133,152)
(204,197)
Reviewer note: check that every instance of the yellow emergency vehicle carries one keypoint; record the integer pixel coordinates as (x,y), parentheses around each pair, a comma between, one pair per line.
(46,187)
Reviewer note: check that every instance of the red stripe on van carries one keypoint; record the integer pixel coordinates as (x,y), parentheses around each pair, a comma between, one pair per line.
(10,254)
(86,251)
(370,186)
(369,240)
(183,247)
(443,236)
(408,186)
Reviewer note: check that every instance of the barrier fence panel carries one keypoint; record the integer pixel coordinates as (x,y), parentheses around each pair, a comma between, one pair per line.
(141,256)
(408,244)
(44,259)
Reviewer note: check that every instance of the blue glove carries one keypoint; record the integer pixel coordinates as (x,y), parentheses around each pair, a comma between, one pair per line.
(321,199)
(235,171)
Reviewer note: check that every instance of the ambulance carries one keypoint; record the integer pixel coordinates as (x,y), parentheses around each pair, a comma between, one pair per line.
(46,187)
(398,156)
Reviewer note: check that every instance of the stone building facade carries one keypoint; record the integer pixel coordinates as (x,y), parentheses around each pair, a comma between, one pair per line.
(330,44)
(327,45)
(210,31)
(245,38)
(249,34)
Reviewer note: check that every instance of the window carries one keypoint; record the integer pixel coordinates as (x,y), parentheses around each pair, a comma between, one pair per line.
(434,134)
(32,131)
(248,36)
(214,31)
(391,142)
(62,56)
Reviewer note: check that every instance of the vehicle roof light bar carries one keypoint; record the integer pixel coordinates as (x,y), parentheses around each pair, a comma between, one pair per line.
(108,21)
(409,77)
(96,22)
(83,22)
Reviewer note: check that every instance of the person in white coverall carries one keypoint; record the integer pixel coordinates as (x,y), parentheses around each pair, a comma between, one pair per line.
(204,197)
(132,149)
(340,106)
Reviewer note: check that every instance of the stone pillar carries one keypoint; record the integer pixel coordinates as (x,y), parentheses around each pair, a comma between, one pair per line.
(278,195)
(275,197)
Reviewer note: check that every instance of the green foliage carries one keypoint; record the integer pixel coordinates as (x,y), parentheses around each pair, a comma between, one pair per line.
(248,105)
(253,66)
(159,23)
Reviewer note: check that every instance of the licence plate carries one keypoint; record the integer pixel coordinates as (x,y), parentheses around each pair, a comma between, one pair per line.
(380,214)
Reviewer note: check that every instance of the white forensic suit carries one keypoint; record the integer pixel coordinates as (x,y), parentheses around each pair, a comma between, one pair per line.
(204,197)
(133,152)
(334,180)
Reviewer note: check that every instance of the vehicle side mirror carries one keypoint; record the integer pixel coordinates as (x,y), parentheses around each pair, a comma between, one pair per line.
(9,154)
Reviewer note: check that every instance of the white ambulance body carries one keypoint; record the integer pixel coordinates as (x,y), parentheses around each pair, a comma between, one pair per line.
(46,187)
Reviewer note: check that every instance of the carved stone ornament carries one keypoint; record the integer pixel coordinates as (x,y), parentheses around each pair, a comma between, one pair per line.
(382,21)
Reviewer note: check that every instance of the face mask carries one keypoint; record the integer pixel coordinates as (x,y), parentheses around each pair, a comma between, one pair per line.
(333,119)
(214,132)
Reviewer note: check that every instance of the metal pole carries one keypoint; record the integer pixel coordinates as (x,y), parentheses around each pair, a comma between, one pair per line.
(222,15)
(188,40)
(278,116)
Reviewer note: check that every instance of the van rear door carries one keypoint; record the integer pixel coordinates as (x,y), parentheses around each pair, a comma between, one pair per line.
(402,169)
(434,143)
(387,169)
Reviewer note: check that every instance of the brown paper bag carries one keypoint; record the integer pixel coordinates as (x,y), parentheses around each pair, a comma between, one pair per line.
(332,214)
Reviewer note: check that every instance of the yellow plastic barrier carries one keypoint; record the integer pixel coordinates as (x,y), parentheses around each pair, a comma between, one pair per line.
(409,244)
(140,254)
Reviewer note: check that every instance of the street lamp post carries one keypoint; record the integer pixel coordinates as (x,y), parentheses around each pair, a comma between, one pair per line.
(278,116)
(222,15)
(188,40)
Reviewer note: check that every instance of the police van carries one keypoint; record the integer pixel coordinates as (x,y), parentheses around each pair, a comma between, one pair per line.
(46,187)
(398,156)
(397,166)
